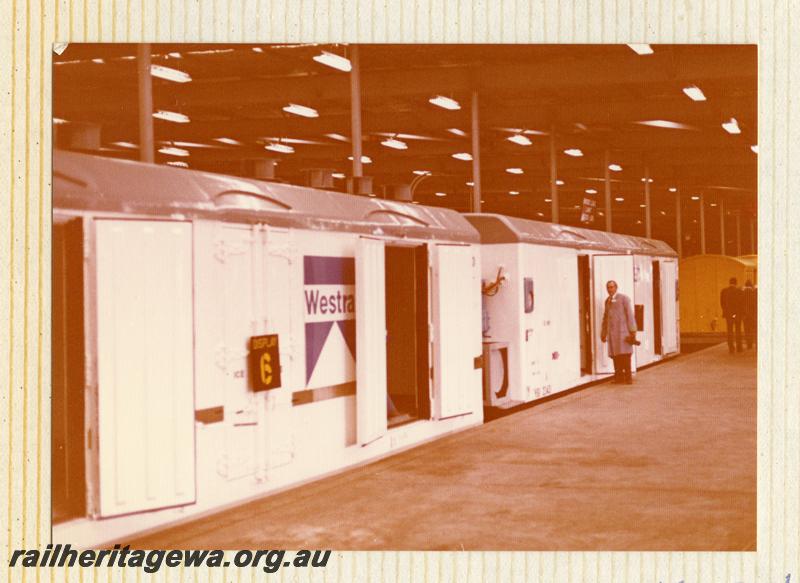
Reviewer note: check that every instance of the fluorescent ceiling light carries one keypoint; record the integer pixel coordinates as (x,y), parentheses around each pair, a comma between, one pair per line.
(731,126)
(539,214)
(98,61)
(519,139)
(591,191)
(673,189)
(282,148)
(462,156)
(333,61)
(364,159)
(229,141)
(178,163)
(190,144)
(258,50)
(713,204)
(615,167)
(647,180)
(457,131)
(470,183)
(171,151)
(440,193)
(513,192)
(171,116)
(126,145)
(695,197)
(642,206)
(422,172)
(641,49)
(694,93)
(663,123)
(548,200)
(396,144)
(338,137)
(169,74)
(559,183)
(515,170)
(576,152)
(619,199)
(445,102)
(175,55)
(339,175)
(301,110)
(754,147)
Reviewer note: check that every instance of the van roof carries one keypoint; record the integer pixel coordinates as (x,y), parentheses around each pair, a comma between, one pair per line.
(88,183)
(497,229)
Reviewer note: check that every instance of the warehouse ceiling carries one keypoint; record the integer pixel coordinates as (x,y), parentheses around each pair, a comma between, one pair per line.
(589,97)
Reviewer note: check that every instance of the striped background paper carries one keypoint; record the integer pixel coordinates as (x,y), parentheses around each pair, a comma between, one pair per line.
(27,31)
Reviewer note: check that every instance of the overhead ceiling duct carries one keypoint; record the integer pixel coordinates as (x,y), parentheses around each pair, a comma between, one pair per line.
(401,192)
(260,168)
(80,136)
(319,177)
(359,185)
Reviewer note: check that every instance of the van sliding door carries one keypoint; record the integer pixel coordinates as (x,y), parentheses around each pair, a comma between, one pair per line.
(145,395)
(605,268)
(371,395)
(456,330)
(669,306)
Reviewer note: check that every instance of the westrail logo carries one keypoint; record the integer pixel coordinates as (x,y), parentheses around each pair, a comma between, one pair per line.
(329,297)
(322,302)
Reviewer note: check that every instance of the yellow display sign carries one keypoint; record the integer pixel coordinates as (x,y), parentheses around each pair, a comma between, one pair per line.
(265,367)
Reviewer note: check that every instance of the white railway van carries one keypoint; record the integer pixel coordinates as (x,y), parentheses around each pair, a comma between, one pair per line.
(544,293)
(216,338)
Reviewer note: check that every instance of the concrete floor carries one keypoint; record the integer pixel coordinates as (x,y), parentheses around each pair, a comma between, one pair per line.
(668,463)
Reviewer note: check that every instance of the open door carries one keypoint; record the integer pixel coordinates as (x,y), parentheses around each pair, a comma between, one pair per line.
(585,313)
(145,442)
(457,334)
(669,306)
(371,393)
(604,268)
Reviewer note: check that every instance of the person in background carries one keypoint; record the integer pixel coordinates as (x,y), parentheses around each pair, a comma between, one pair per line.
(750,313)
(619,329)
(732,310)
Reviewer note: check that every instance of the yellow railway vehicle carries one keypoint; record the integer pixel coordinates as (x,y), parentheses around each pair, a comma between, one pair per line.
(702,279)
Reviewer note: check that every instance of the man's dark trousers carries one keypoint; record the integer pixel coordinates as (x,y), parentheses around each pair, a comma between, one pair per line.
(734,323)
(622,368)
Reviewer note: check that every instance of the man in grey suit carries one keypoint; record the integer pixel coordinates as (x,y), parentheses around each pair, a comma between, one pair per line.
(619,329)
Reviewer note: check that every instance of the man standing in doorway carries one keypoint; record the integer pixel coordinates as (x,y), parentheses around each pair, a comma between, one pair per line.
(619,329)
(731,301)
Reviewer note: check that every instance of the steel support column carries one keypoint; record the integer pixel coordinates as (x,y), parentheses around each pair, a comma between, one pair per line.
(678,223)
(738,233)
(702,224)
(476,155)
(648,220)
(553,178)
(355,110)
(608,190)
(146,147)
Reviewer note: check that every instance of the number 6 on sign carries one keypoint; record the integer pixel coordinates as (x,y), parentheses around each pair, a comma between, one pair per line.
(265,366)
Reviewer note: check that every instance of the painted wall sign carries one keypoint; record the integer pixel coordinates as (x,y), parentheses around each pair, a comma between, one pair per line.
(265,364)
(329,305)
